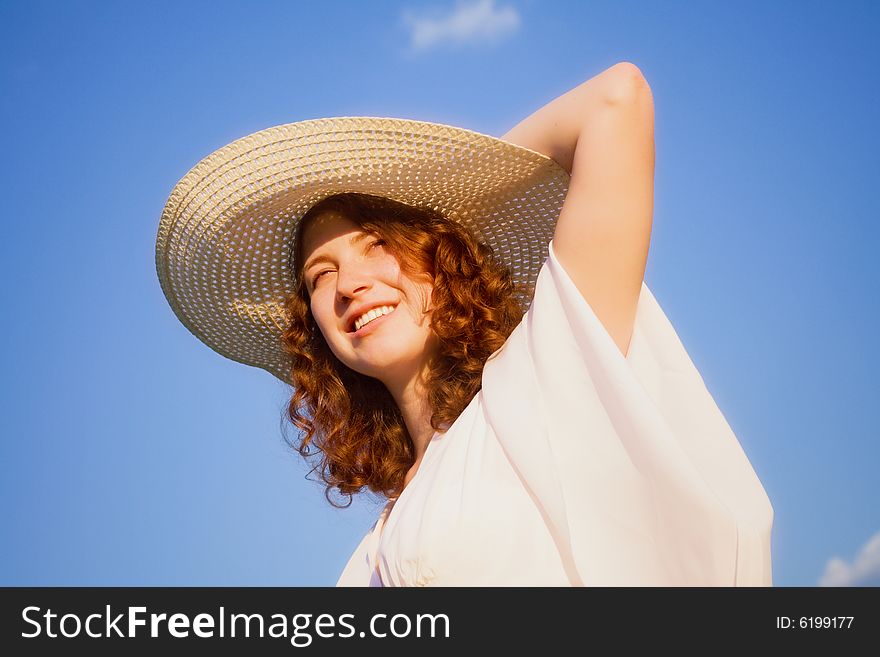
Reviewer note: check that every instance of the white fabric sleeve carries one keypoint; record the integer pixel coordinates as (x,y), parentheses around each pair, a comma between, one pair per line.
(638,475)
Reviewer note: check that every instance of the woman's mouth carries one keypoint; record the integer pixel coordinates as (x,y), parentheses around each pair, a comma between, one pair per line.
(374,322)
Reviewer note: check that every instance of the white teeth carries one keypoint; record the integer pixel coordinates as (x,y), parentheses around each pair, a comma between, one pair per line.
(370,316)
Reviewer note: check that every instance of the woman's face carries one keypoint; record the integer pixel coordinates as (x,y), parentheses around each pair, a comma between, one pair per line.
(349,272)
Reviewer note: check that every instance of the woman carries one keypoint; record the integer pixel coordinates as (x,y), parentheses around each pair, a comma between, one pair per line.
(574,444)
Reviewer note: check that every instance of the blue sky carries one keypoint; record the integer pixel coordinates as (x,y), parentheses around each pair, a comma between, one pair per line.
(132,454)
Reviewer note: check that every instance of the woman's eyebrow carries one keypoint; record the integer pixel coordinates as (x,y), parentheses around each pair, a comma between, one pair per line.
(320,257)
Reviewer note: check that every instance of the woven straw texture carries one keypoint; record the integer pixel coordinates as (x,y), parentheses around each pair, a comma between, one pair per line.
(224,239)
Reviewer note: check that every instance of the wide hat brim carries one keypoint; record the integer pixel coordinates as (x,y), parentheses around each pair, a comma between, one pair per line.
(224,239)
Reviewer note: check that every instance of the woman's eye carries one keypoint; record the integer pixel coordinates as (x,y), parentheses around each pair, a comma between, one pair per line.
(318,275)
(378,242)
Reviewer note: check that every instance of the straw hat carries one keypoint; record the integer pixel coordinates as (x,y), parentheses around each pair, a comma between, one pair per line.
(224,240)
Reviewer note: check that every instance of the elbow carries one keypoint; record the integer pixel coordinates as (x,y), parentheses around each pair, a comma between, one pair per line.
(626,84)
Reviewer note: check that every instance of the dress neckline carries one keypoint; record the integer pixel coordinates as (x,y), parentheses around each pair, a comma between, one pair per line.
(392,505)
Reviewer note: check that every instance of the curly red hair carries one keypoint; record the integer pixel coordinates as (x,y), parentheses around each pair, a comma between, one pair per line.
(352,419)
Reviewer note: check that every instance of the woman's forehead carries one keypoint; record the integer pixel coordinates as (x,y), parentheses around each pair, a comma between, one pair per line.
(324,228)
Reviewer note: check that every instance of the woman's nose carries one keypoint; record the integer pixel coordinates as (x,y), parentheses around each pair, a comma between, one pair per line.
(352,280)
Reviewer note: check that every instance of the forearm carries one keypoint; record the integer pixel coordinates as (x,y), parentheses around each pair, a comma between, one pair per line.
(554,129)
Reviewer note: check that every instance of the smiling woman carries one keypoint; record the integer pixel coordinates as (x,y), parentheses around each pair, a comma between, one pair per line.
(467,330)
(453,305)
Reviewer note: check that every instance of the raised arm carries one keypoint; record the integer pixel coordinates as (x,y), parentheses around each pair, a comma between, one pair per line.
(602,133)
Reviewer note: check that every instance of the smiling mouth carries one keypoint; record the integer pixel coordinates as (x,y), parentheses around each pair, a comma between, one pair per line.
(355,329)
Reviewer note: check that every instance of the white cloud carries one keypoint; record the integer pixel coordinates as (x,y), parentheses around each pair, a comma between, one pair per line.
(864,571)
(470,22)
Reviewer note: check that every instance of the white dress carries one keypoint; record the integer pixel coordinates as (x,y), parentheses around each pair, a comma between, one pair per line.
(577,466)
